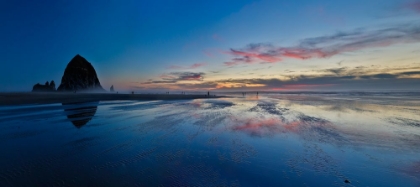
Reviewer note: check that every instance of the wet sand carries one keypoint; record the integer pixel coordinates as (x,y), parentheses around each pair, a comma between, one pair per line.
(269,140)
(47,98)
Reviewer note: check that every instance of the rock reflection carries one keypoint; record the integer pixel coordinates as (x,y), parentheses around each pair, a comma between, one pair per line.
(80,113)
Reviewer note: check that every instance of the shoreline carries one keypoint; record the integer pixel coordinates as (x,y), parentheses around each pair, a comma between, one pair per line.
(10,99)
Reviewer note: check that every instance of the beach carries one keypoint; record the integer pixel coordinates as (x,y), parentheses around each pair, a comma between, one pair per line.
(265,140)
(48,98)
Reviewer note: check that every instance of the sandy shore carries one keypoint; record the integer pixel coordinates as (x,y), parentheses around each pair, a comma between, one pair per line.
(47,98)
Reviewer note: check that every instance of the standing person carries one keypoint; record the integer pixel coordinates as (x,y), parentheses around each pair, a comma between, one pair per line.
(208,94)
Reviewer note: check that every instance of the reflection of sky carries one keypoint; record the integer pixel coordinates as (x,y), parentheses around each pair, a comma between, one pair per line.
(265,140)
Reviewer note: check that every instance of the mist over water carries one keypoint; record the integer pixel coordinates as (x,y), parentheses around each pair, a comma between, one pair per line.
(265,140)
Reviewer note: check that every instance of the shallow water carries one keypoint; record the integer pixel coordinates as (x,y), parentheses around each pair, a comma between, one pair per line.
(266,140)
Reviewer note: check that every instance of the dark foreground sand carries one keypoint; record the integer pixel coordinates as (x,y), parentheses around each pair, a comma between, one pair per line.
(47,98)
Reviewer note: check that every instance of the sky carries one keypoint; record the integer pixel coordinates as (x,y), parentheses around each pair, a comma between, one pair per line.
(218,45)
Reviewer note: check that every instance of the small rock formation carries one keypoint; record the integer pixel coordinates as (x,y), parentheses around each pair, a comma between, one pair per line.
(111,89)
(80,75)
(47,87)
(52,84)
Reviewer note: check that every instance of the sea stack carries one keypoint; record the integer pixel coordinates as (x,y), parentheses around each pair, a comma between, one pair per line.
(80,75)
(48,87)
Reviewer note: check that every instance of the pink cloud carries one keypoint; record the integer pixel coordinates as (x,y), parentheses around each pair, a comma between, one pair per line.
(264,57)
(327,46)
(414,6)
(274,55)
(303,53)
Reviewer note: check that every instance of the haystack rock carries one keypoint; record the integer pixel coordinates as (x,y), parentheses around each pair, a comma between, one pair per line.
(80,75)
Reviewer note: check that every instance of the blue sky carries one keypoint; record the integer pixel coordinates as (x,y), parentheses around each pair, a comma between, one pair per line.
(212,45)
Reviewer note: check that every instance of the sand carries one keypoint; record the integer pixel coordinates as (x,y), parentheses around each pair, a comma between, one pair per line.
(48,98)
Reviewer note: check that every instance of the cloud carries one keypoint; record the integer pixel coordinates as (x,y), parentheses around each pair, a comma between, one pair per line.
(336,71)
(188,76)
(327,46)
(240,60)
(410,73)
(194,66)
(329,79)
(414,6)
(175,77)
(359,78)
(247,56)
(380,76)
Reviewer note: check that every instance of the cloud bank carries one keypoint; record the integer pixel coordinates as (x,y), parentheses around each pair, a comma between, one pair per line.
(343,78)
(327,46)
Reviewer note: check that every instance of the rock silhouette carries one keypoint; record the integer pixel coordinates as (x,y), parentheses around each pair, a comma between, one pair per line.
(80,75)
(111,89)
(47,87)
(80,113)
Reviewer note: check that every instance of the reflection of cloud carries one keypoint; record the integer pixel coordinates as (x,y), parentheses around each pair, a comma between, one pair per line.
(319,129)
(218,104)
(260,127)
(269,107)
(327,46)
(308,127)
